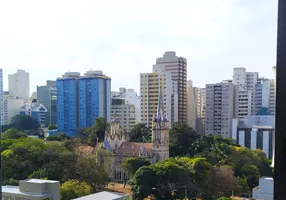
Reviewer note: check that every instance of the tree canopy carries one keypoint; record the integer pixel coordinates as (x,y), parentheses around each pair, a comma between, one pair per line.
(140,133)
(24,122)
(13,133)
(52,127)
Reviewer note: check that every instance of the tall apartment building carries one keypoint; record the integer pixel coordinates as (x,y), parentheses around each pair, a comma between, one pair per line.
(131,98)
(196,108)
(11,107)
(19,84)
(177,66)
(149,91)
(221,108)
(80,99)
(1,99)
(47,95)
(124,113)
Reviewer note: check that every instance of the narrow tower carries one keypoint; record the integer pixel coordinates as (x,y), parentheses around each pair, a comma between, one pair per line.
(160,132)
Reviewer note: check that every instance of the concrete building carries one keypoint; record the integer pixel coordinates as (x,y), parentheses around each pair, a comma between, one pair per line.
(255,132)
(151,83)
(265,189)
(19,84)
(106,196)
(32,189)
(124,113)
(221,108)
(47,95)
(177,66)
(81,99)
(12,106)
(192,107)
(37,111)
(131,98)
(244,102)
(1,98)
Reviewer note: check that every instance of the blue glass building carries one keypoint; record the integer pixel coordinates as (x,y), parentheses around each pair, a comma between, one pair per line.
(81,99)
(94,91)
(67,102)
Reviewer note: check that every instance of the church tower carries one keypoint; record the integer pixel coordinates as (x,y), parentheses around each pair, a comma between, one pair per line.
(160,132)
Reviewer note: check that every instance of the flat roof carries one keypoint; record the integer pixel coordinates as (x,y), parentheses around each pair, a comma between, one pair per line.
(103,195)
(14,191)
(40,181)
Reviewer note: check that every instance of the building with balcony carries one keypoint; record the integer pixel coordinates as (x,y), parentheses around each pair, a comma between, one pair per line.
(19,84)
(12,106)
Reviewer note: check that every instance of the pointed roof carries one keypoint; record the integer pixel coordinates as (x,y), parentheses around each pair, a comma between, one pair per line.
(160,115)
(106,144)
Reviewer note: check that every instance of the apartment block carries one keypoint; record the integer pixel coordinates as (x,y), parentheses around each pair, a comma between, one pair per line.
(150,84)
(11,108)
(19,84)
(177,66)
(1,99)
(221,108)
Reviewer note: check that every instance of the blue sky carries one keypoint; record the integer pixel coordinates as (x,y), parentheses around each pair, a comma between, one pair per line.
(124,38)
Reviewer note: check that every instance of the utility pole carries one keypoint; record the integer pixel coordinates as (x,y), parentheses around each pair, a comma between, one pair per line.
(280,129)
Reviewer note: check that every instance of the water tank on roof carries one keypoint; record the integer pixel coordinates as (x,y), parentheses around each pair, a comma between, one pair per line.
(93,72)
(71,74)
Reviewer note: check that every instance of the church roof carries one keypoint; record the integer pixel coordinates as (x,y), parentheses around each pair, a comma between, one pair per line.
(106,144)
(84,149)
(133,148)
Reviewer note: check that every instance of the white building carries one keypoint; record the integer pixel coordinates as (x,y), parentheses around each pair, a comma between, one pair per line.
(12,107)
(131,98)
(1,99)
(221,108)
(125,114)
(191,104)
(255,132)
(19,84)
(265,189)
(32,189)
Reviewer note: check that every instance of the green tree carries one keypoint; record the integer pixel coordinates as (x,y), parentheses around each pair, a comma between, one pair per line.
(52,127)
(251,173)
(24,122)
(13,133)
(181,139)
(131,165)
(72,189)
(140,133)
(241,186)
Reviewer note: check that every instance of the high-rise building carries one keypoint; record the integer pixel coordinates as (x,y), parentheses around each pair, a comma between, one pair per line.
(151,83)
(81,99)
(94,94)
(177,66)
(19,84)
(1,99)
(47,95)
(192,107)
(221,108)
(12,107)
(124,113)
(131,98)
(67,102)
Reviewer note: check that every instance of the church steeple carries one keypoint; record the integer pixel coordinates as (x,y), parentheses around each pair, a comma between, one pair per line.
(160,119)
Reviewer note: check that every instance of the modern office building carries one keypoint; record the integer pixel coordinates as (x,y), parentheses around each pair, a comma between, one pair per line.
(81,99)
(47,95)
(177,66)
(131,98)
(124,113)
(94,95)
(221,99)
(37,111)
(12,106)
(1,98)
(150,84)
(19,84)
(67,102)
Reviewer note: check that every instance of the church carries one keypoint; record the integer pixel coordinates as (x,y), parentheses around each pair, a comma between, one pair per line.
(117,142)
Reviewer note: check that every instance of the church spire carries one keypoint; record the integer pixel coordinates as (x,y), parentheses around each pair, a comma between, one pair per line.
(160,118)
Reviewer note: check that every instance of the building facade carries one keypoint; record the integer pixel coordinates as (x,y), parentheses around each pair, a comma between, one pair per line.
(192,107)
(151,84)
(19,84)
(12,106)
(221,108)
(81,99)
(37,111)
(177,66)
(1,99)
(47,95)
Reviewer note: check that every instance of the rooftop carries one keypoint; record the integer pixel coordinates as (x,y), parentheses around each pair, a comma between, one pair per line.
(104,195)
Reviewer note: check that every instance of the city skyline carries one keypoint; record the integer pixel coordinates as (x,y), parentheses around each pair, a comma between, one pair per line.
(214,40)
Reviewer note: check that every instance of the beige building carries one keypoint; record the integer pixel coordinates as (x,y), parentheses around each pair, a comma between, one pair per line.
(150,85)
(221,101)
(125,113)
(177,66)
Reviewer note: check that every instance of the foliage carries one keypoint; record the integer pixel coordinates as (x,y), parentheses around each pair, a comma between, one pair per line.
(241,186)
(181,139)
(58,137)
(72,189)
(13,133)
(223,198)
(52,127)
(140,133)
(131,165)
(24,122)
